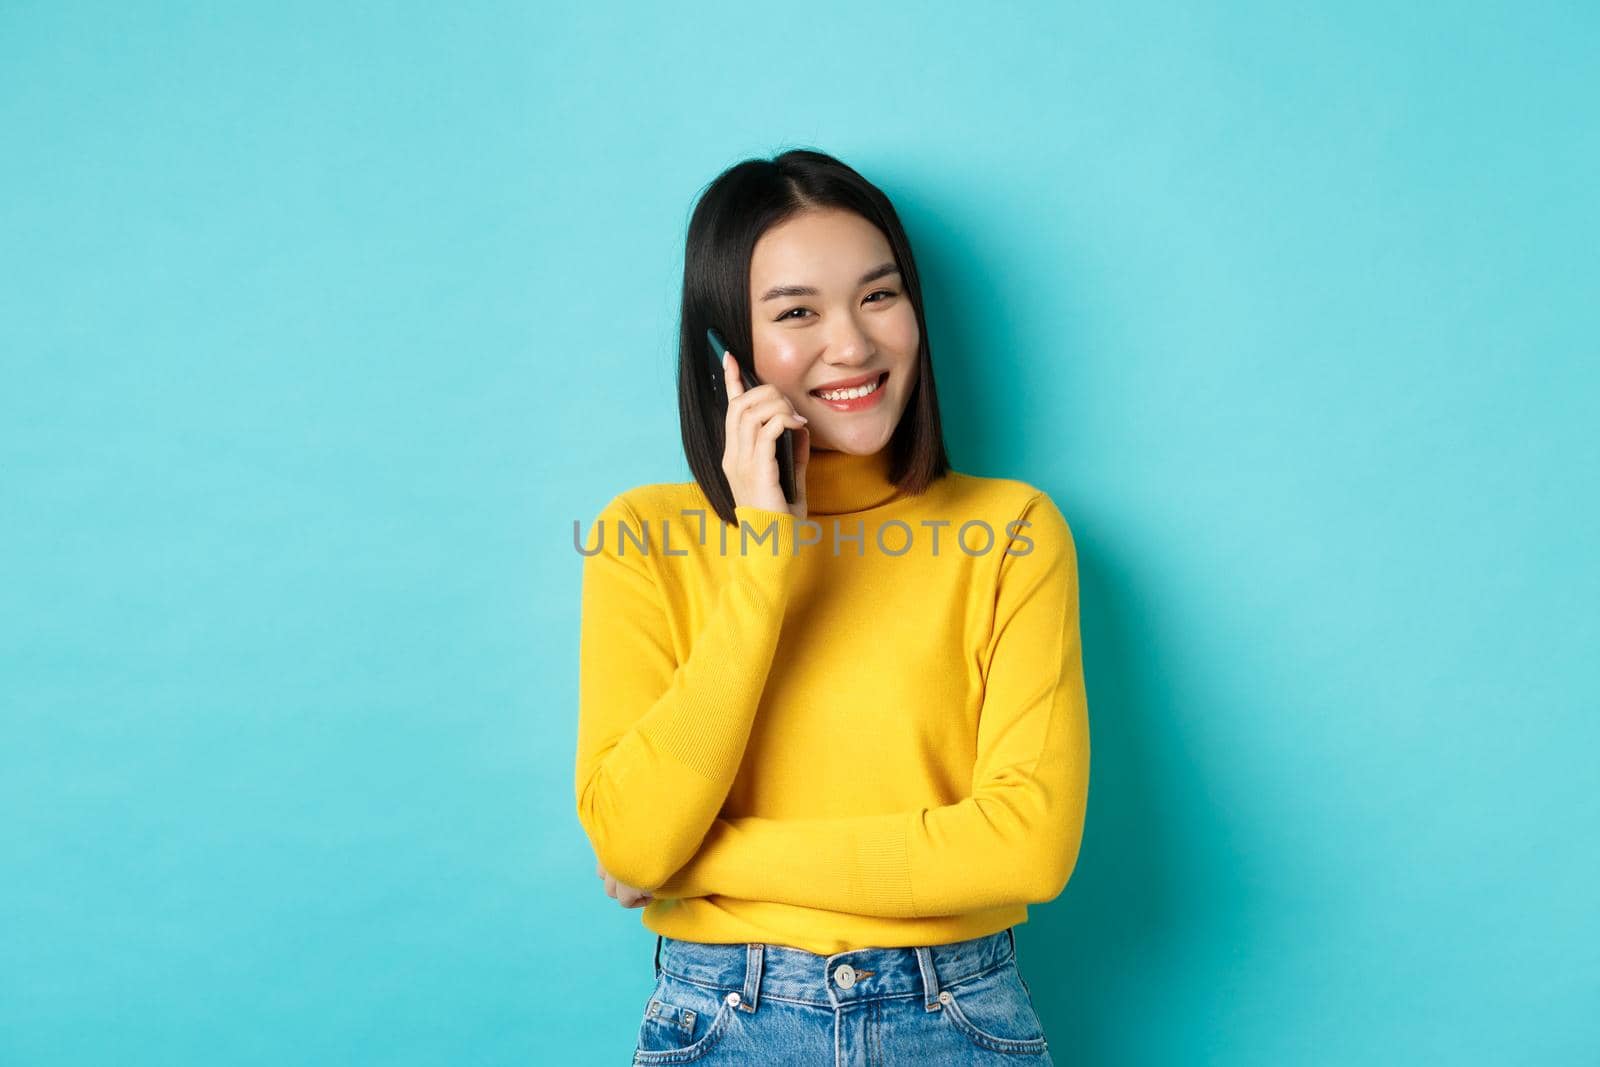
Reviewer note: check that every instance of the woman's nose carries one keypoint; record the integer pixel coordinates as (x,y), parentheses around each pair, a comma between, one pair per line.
(850,343)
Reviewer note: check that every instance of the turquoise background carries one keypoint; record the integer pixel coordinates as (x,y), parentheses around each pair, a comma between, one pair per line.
(321,324)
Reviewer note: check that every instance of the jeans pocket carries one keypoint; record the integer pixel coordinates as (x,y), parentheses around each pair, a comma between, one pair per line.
(682,1022)
(994,1011)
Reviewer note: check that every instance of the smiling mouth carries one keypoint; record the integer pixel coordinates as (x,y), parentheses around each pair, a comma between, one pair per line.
(853,393)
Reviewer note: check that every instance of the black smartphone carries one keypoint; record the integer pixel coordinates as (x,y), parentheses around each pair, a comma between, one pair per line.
(785,443)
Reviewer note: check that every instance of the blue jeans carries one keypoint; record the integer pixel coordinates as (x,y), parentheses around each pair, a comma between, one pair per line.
(961,1003)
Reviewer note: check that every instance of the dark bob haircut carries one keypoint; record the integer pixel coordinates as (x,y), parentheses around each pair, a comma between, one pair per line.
(740,205)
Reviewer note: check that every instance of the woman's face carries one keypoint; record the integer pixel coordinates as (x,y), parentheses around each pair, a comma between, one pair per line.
(845,329)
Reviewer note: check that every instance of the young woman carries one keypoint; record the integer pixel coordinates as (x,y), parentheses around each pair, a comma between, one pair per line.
(835,747)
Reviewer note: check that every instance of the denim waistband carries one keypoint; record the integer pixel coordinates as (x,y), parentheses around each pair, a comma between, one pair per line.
(793,974)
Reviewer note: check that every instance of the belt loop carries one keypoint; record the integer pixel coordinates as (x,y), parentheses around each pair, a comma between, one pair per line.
(1012,934)
(658,956)
(930,979)
(754,956)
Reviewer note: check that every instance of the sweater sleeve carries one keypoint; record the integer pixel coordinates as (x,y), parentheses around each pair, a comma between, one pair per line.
(1014,839)
(660,741)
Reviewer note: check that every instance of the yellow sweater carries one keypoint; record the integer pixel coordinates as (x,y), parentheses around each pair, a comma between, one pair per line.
(881,745)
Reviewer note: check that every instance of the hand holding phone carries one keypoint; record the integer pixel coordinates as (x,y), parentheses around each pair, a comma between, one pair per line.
(762,426)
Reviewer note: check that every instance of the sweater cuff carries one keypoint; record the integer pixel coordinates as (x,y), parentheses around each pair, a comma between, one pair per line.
(763,545)
(762,532)
(883,868)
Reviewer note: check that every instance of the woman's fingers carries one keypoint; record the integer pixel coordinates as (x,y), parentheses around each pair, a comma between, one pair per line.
(758,435)
(623,893)
(760,403)
(752,417)
(745,419)
(779,423)
(754,420)
(629,896)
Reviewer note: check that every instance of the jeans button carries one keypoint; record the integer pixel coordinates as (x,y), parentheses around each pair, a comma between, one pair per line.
(845,975)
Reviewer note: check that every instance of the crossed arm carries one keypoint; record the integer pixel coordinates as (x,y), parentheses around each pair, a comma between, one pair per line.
(1014,839)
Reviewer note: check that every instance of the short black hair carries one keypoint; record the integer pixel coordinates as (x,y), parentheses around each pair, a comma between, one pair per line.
(733,211)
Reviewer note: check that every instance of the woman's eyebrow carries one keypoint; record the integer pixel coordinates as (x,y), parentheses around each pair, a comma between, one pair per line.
(805,290)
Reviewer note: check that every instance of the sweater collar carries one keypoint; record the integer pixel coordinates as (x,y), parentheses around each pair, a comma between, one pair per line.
(838,483)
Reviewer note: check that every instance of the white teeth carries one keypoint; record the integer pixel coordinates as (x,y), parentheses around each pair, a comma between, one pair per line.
(851,394)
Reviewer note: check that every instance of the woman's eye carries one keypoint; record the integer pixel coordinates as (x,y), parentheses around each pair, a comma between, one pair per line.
(880,292)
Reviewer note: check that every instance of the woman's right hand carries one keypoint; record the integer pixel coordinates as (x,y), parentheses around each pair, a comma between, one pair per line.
(623,893)
(750,458)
